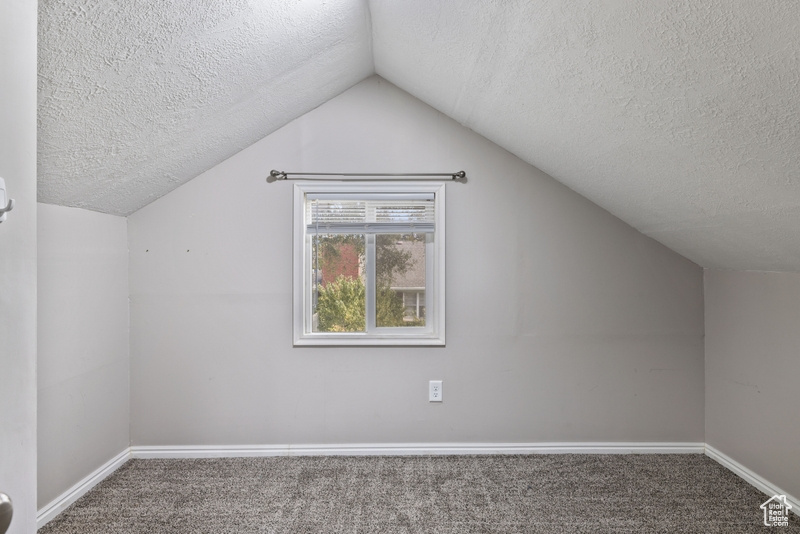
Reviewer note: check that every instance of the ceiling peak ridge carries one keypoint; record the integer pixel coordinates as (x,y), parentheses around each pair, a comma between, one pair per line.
(370,31)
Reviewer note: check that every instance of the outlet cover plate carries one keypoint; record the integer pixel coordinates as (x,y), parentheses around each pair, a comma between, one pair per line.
(435,391)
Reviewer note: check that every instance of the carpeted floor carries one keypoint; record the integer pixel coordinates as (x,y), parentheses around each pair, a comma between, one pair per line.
(440,494)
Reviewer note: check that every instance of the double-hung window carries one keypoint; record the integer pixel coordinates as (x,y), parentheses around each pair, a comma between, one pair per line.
(369,264)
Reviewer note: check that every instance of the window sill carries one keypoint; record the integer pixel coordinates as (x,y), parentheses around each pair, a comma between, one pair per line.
(360,340)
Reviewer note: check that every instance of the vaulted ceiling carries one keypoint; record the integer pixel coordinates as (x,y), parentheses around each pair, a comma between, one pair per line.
(139,96)
(680,117)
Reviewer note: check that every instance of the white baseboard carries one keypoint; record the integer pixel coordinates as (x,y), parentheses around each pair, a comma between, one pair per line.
(77,491)
(758,482)
(412,449)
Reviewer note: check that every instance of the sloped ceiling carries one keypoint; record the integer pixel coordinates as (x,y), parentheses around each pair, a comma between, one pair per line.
(139,96)
(680,117)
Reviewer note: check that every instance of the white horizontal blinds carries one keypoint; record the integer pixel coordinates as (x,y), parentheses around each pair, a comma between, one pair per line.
(385,213)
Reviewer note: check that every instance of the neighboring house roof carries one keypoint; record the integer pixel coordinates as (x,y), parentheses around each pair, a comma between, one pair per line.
(414,277)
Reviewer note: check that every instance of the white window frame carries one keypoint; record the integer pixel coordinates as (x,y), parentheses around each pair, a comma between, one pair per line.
(432,334)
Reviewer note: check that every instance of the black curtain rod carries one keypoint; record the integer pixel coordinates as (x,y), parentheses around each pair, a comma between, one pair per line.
(274,175)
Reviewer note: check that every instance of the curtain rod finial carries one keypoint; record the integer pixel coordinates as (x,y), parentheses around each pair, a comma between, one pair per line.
(460,176)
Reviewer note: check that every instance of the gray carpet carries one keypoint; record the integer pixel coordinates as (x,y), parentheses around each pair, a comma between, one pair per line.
(441,494)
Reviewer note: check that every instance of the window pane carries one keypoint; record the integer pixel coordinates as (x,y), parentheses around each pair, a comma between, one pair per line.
(400,280)
(337,276)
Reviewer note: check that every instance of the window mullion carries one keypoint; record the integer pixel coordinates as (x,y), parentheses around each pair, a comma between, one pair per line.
(370,282)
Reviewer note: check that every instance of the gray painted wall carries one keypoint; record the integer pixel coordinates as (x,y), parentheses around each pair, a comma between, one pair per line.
(18,261)
(83,345)
(752,365)
(563,323)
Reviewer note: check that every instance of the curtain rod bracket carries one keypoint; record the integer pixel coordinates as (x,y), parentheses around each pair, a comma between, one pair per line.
(276,175)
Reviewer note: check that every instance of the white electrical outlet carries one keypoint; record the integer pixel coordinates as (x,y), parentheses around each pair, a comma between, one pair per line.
(435,391)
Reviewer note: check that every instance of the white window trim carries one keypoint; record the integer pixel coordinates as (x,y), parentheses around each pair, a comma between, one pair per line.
(434,332)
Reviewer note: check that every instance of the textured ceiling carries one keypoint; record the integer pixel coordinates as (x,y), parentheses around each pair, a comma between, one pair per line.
(680,117)
(138,97)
